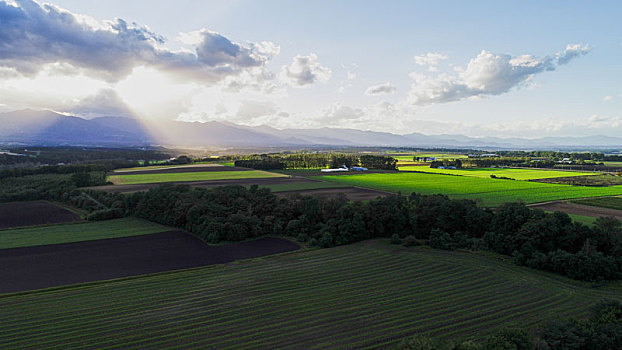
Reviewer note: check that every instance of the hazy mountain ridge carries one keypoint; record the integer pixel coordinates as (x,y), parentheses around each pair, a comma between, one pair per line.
(50,128)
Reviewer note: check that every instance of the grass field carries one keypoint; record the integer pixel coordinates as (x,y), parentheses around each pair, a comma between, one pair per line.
(365,295)
(606,202)
(67,233)
(199,176)
(517,174)
(491,192)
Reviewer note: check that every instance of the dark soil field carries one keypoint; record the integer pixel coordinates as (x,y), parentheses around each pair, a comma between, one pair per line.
(61,264)
(184,169)
(579,209)
(207,183)
(352,193)
(18,214)
(590,180)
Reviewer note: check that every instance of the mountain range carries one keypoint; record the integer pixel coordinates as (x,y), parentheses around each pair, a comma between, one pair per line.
(47,128)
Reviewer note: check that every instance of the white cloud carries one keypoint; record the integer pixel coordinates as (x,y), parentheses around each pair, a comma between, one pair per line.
(607,98)
(34,35)
(572,51)
(381,89)
(486,74)
(430,60)
(305,70)
(105,102)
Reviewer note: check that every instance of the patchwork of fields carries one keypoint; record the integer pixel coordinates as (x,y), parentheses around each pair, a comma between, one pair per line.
(190,176)
(365,295)
(491,192)
(517,174)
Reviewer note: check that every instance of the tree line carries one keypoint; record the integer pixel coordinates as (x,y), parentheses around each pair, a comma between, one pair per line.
(533,238)
(315,161)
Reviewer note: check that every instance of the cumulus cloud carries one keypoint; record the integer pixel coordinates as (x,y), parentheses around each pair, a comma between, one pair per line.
(33,35)
(430,60)
(381,89)
(105,102)
(336,113)
(305,70)
(571,52)
(487,74)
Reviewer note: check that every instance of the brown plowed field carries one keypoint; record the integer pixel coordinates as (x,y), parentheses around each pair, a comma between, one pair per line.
(61,264)
(207,183)
(184,169)
(18,214)
(579,209)
(352,193)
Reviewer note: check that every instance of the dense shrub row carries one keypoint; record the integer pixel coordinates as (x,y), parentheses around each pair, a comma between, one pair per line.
(602,331)
(533,238)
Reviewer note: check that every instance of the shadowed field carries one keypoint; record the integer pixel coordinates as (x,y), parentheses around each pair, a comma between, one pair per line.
(365,295)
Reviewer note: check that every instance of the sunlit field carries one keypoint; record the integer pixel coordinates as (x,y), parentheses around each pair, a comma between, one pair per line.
(490,192)
(517,174)
(198,176)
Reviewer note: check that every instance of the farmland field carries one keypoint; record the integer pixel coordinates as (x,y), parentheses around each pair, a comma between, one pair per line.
(20,214)
(607,202)
(517,174)
(194,176)
(67,233)
(491,192)
(196,168)
(29,268)
(301,186)
(287,182)
(365,295)
(577,208)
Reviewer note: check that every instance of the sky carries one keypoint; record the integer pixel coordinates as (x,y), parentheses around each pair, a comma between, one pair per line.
(478,68)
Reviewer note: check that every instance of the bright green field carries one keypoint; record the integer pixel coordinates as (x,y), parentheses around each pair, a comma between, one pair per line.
(491,192)
(67,233)
(199,176)
(606,202)
(364,295)
(517,174)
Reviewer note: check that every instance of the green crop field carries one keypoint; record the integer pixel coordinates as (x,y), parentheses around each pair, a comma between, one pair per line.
(605,202)
(67,233)
(491,192)
(199,176)
(365,295)
(517,174)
